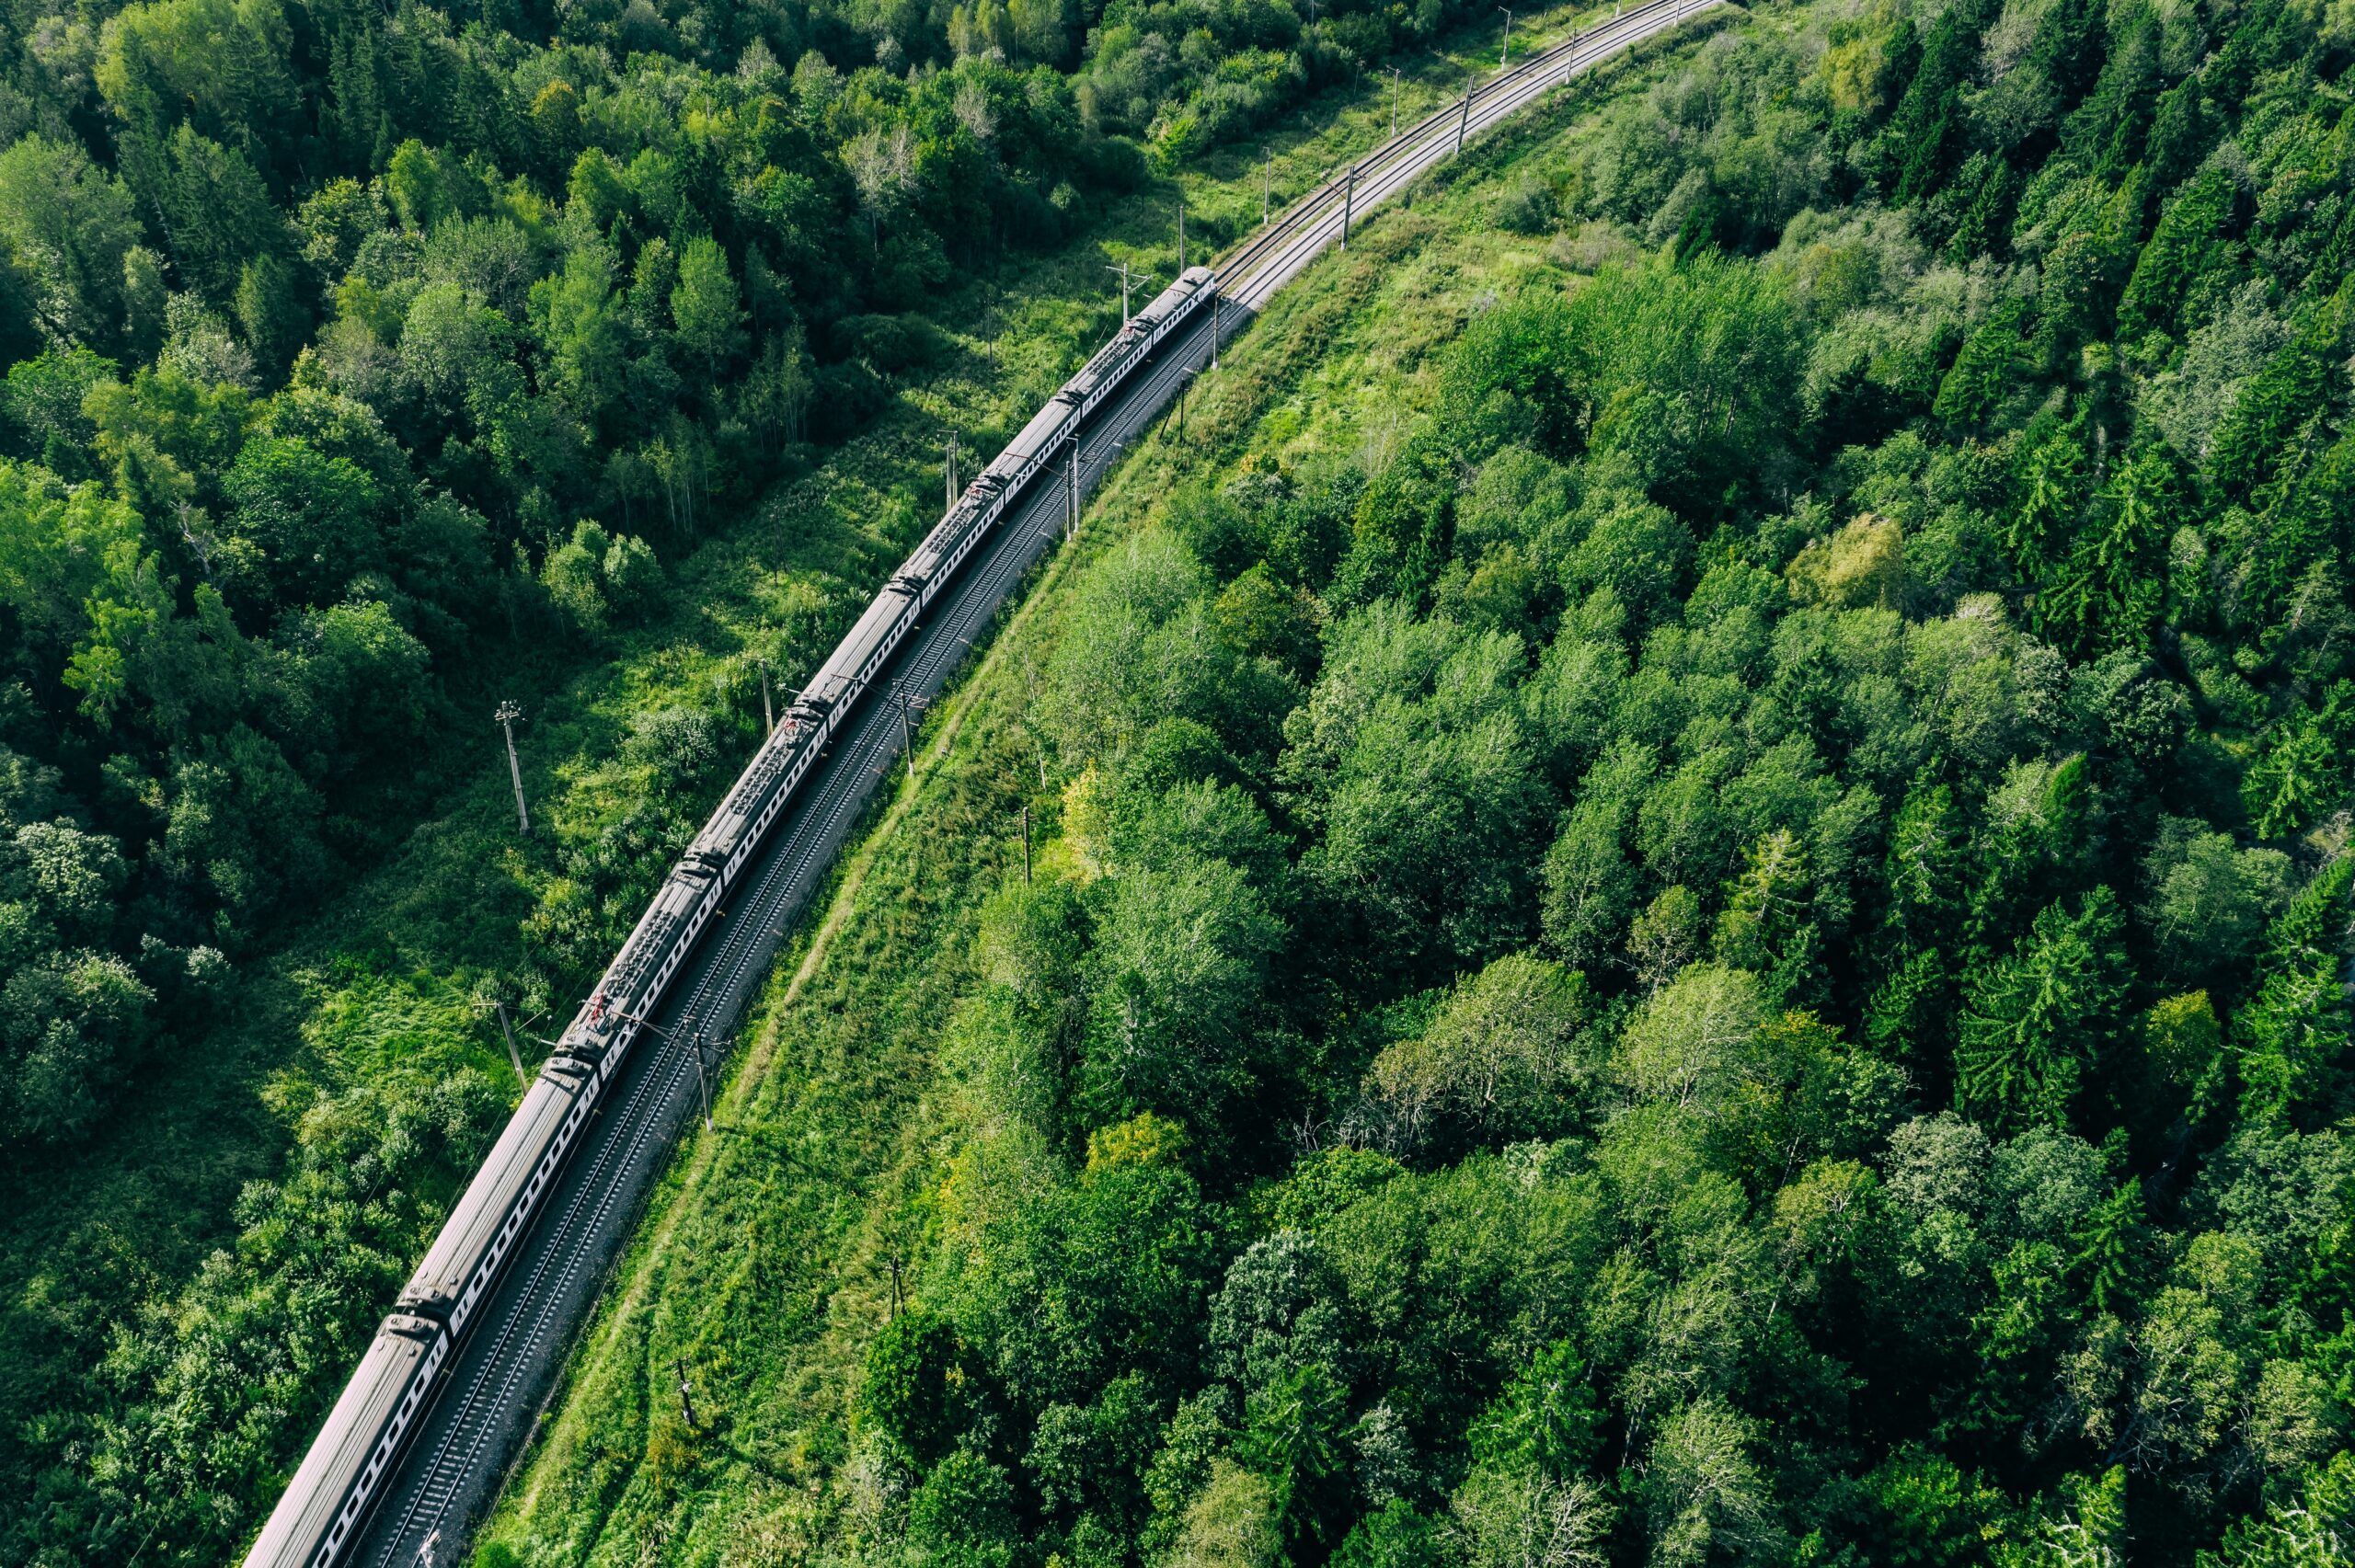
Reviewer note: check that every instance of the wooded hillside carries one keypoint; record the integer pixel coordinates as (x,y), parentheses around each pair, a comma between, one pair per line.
(362,364)
(1697,917)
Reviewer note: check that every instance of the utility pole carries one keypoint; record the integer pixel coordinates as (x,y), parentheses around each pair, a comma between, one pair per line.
(1466,124)
(686,1394)
(1507,53)
(1349,196)
(1181,236)
(505,718)
(1266,186)
(1072,518)
(514,1057)
(768,704)
(1026,846)
(907,730)
(1214,304)
(1124,271)
(1394,102)
(703,1089)
(950,469)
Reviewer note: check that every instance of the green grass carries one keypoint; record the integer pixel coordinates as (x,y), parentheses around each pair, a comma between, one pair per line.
(379,982)
(769,1256)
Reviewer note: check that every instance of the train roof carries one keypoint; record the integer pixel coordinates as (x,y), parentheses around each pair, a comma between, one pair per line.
(306,1511)
(627,978)
(1037,438)
(735,814)
(1124,342)
(468,1234)
(842,667)
(1187,285)
(953,522)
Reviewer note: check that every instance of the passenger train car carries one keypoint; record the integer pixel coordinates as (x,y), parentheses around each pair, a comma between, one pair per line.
(326,1504)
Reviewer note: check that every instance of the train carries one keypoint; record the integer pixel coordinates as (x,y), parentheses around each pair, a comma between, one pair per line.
(326,1502)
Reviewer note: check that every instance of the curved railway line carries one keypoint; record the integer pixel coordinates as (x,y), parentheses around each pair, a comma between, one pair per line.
(441,1404)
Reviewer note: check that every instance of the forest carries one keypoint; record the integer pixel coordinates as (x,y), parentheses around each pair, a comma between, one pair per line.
(349,348)
(1727,946)
(355,358)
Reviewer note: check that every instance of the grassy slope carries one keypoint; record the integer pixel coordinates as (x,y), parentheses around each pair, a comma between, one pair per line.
(769,1256)
(378,980)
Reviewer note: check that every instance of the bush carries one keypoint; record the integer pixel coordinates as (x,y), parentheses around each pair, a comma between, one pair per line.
(1528,206)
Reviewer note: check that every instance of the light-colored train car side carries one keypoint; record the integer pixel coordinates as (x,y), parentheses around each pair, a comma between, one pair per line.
(328,1499)
(482,1229)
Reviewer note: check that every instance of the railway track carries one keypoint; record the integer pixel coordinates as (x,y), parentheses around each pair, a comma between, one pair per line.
(502,1373)
(1250,274)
